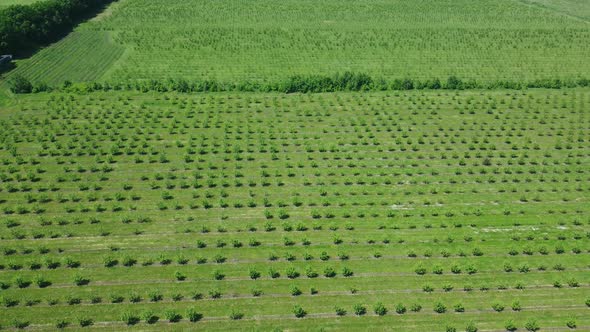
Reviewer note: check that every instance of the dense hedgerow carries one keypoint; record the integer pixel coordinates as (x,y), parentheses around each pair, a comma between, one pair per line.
(23,28)
(348,81)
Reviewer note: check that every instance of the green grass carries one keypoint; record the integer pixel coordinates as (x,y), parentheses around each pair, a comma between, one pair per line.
(236,41)
(383,184)
(6,3)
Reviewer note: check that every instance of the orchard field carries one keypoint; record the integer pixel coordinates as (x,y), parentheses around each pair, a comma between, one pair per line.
(161,168)
(406,211)
(265,40)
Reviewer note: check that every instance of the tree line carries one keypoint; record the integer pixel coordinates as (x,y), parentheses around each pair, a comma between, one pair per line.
(24,28)
(347,81)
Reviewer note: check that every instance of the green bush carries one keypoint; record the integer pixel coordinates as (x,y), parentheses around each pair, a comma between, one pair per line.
(299,311)
(129,318)
(359,309)
(193,315)
(532,325)
(440,308)
(61,324)
(498,307)
(510,326)
(236,315)
(380,309)
(172,316)
(400,309)
(84,321)
(19,84)
(149,317)
(471,327)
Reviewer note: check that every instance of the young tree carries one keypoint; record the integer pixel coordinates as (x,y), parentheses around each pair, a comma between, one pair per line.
(380,309)
(299,311)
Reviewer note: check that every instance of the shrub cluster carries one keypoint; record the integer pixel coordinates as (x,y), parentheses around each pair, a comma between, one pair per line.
(347,81)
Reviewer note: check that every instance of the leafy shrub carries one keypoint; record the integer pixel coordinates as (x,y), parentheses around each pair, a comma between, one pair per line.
(347,272)
(292,273)
(110,261)
(273,273)
(340,311)
(420,270)
(61,324)
(129,318)
(359,309)
(380,309)
(84,321)
(236,315)
(516,306)
(72,300)
(299,311)
(180,277)
(256,291)
(295,291)
(79,280)
(400,309)
(471,327)
(532,325)
(510,326)
(428,288)
(20,84)
(440,308)
(218,275)
(329,272)
(149,317)
(310,273)
(172,316)
(134,298)
(193,315)
(155,296)
(498,307)
(116,298)
(254,274)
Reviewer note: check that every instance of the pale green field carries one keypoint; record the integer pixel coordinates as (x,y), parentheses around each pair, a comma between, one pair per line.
(575,8)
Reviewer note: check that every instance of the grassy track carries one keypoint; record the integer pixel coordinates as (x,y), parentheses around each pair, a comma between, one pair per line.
(82,56)
(227,203)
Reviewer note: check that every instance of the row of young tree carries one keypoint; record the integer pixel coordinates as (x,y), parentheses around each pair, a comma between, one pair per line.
(347,81)
(25,27)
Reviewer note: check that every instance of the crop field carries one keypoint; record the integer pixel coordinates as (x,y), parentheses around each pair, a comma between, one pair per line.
(262,40)
(295,165)
(407,211)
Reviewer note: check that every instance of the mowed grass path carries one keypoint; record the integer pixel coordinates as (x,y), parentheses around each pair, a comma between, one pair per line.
(250,204)
(82,56)
(237,41)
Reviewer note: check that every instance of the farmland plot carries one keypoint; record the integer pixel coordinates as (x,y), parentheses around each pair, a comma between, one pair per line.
(262,40)
(394,210)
